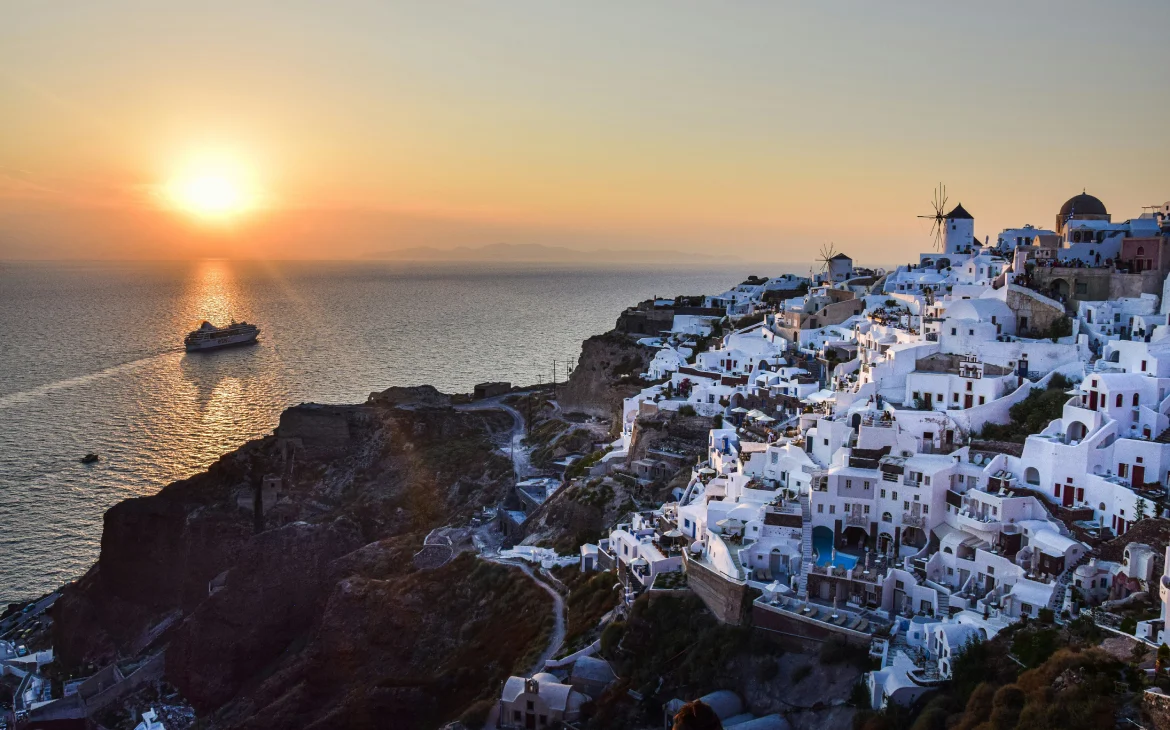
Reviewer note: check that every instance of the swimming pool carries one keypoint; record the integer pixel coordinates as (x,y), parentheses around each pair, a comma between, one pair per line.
(823,547)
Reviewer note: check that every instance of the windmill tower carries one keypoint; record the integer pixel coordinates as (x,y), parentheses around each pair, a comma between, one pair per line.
(952,230)
(835,266)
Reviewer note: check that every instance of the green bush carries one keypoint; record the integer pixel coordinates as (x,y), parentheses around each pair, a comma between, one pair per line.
(687,411)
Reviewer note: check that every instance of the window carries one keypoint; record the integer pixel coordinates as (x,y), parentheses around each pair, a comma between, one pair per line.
(530,705)
(1056,490)
(832,509)
(826,442)
(906,506)
(950,571)
(916,395)
(969,384)
(927,481)
(867,509)
(899,585)
(1027,607)
(887,517)
(1135,399)
(971,332)
(1123,470)
(1143,370)
(865,485)
(775,456)
(849,484)
(956,397)
(516,715)
(883,494)
(960,479)
(940,397)
(990,570)
(895,495)
(820,508)
(926,509)
(982,400)
(1119,401)
(954,331)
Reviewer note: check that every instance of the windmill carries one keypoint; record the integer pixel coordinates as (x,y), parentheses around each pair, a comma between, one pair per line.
(939,217)
(828,251)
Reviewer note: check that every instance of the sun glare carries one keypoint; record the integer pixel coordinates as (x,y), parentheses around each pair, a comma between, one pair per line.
(214,194)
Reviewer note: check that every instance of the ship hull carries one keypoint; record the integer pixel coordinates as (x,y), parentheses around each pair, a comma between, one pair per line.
(218,343)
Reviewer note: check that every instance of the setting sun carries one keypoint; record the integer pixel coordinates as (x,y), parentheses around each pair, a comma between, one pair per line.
(209,195)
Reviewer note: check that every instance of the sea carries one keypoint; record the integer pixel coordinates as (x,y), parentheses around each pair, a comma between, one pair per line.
(91,360)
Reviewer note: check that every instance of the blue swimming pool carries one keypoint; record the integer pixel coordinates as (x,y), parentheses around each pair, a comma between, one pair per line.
(823,547)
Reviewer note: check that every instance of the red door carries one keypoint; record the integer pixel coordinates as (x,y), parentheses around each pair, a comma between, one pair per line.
(1139,476)
(1092,400)
(967,401)
(1068,495)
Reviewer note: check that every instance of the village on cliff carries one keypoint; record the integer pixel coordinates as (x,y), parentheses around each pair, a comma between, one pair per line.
(860,483)
(901,461)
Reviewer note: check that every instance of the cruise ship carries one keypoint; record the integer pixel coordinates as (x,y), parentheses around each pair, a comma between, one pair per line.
(210,337)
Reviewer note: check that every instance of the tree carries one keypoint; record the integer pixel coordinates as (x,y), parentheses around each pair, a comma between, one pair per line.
(1163,659)
(1139,509)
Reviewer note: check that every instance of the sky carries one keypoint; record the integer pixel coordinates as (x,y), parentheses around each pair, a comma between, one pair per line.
(765,129)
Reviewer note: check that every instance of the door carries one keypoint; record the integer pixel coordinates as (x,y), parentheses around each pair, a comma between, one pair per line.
(1069,491)
(1139,476)
(967,399)
(529,721)
(1092,400)
(928,405)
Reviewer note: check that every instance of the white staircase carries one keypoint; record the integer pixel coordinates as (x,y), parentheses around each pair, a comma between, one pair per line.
(806,547)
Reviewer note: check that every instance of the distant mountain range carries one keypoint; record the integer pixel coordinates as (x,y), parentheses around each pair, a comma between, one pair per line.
(539,253)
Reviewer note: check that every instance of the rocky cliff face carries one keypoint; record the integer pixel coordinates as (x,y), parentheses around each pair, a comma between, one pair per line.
(267,606)
(596,387)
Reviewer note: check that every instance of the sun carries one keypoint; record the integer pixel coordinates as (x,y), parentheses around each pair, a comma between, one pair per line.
(211,194)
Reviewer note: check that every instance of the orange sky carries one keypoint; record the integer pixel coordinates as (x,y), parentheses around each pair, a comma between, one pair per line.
(367,126)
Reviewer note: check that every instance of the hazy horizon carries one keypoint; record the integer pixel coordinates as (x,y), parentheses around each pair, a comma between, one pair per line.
(757,128)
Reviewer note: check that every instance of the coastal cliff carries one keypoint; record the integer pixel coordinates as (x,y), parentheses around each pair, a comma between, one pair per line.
(605,375)
(279,584)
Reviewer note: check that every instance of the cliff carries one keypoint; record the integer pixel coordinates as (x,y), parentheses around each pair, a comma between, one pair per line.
(279,583)
(605,375)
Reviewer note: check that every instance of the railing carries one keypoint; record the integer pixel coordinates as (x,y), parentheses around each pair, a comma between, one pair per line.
(857,520)
(913,520)
(910,482)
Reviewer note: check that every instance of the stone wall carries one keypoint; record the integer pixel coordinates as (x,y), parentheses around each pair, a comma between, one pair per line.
(321,431)
(723,597)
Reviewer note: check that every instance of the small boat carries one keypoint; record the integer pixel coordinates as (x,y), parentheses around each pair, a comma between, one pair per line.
(210,337)
(90,458)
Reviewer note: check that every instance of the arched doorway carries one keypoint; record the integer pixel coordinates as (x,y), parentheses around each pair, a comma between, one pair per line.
(914,537)
(1032,475)
(1061,288)
(855,538)
(1076,431)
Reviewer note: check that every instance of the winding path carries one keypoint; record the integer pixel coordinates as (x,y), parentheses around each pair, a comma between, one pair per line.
(518,452)
(558,633)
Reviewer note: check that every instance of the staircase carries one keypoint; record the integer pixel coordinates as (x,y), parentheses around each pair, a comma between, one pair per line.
(806,547)
(1164,437)
(1057,601)
(944,604)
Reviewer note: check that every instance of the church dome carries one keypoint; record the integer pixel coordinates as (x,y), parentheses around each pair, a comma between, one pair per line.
(1083,204)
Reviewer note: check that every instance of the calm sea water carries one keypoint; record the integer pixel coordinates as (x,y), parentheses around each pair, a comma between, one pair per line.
(91,360)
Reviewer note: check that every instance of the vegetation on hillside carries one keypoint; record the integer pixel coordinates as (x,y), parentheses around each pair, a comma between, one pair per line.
(1033,414)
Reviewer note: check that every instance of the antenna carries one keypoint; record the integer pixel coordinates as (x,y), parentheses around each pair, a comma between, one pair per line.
(939,217)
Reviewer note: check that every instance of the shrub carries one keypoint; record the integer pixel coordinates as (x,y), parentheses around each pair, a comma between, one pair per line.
(1047,616)
(717,421)
(687,411)
(475,716)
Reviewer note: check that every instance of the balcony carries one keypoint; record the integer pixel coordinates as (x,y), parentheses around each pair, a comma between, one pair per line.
(857,520)
(911,520)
